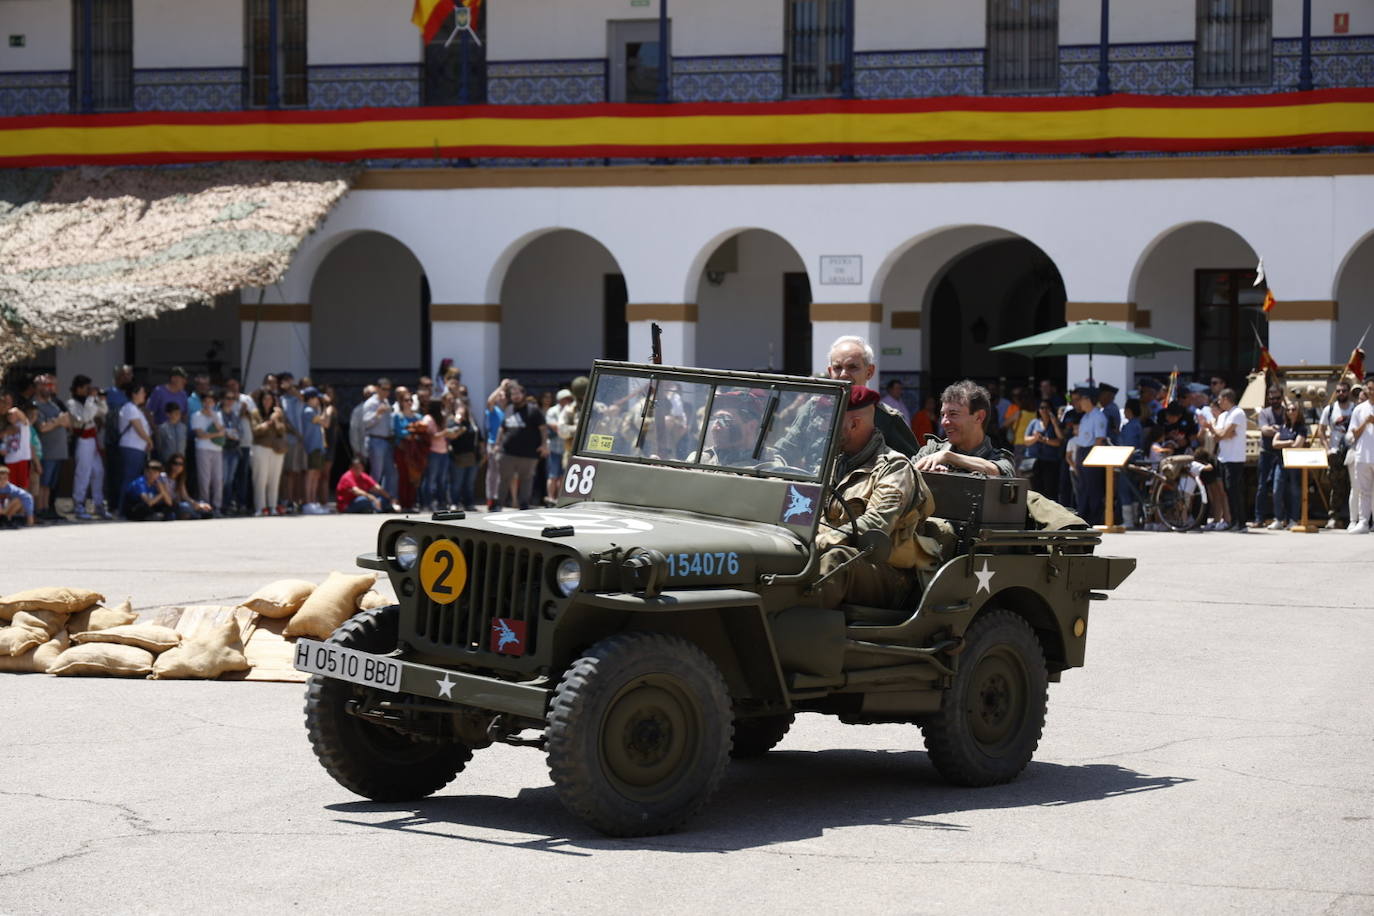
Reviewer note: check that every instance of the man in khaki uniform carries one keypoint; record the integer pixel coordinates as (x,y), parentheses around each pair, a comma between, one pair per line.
(964,408)
(882,491)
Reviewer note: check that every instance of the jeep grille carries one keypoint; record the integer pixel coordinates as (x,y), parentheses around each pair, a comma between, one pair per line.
(503,581)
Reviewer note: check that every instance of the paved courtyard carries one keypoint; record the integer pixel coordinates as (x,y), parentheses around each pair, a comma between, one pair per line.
(1214,755)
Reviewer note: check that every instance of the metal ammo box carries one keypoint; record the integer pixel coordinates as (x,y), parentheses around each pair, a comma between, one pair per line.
(972,501)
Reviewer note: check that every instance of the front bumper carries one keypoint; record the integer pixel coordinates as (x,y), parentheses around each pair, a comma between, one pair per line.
(528,701)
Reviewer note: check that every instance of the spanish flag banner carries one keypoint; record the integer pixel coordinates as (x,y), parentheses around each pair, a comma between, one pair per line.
(428,15)
(828,127)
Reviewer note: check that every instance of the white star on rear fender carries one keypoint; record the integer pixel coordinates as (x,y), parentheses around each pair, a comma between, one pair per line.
(984,578)
(446,687)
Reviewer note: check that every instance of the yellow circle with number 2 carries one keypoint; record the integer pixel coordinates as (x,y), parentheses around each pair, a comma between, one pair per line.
(443,571)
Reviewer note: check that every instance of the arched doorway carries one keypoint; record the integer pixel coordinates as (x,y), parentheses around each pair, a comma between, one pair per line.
(998,292)
(562,306)
(1355,300)
(754,305)
(369,313)
(1195,286)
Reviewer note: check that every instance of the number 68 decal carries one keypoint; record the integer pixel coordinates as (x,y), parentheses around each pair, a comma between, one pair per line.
(579,480)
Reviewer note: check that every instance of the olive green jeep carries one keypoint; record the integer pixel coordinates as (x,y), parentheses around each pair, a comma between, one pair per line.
(663,617)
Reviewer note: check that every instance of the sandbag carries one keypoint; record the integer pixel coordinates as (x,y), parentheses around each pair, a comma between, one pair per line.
(54,598)
(330,605)
(22,637)
(103,658)
(281,598)
(101,618)
(1048,515)
(50,622)
(373,599)
(211,653)
(148,636)
(36,661)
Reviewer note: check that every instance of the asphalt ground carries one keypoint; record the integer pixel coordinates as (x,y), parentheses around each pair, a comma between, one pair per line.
(1213,756)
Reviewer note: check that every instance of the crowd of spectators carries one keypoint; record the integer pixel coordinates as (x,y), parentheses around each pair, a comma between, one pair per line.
(187,449)
(1050,437)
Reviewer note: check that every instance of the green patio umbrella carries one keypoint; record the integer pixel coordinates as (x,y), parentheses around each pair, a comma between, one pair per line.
(1089,337)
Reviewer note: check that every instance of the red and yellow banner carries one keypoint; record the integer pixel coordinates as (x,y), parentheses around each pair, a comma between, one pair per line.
(428,15)
(1120,123)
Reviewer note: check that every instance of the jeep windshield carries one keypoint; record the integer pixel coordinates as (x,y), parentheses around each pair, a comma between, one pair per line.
(735,422)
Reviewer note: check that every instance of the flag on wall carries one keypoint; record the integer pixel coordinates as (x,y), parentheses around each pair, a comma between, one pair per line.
(428,15)
(475,6)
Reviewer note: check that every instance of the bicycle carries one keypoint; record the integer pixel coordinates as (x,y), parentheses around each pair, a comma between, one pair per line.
(1171,494)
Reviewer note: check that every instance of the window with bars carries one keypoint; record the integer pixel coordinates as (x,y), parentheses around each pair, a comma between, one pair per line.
(1234,43)
(103,55)
(457,74)
(1228,315)
(1023,46)
(274,53)
(819,47)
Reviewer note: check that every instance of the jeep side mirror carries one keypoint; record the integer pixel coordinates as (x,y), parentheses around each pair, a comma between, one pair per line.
(877,544)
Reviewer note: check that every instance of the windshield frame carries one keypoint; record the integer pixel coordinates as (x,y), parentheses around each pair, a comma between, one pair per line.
(776,385)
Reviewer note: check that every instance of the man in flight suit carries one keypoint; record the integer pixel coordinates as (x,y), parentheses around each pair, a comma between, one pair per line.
(882,491)
(964,410)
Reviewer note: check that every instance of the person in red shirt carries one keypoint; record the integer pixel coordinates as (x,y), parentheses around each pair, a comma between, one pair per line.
(358,492)
(923,421)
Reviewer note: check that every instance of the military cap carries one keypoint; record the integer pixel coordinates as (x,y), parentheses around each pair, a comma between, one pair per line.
(1107,386)
(1150,382)
(861,396)
(1197,388)
(747,401)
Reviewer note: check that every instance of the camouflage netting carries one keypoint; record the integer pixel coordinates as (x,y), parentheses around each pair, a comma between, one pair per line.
(84,250)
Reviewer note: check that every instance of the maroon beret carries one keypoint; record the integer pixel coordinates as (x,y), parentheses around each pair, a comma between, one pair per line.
(749,401)
(861,396)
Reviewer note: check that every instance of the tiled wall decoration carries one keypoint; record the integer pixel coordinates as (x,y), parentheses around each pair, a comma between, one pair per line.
(918,74)
(187,89)
(751,78)
(35,92)
(364,86)
(552,82)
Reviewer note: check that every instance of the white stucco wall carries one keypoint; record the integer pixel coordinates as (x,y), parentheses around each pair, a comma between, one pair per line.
(47,29)
(362,32)
(172,34)
(1355,296)
(901,25)
(1158,20)
(1098,234)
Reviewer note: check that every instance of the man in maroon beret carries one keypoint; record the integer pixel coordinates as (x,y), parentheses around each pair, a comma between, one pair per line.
(883,491)
(734,429)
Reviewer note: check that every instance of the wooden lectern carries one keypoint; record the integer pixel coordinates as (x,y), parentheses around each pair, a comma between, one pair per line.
(1307,459)
(1110,457)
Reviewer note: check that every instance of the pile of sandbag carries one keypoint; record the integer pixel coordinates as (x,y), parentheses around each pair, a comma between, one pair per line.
(66,631)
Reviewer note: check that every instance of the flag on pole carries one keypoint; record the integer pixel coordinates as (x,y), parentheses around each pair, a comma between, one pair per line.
(428,15)
(1268,300)
(475,6)
(1172,392)
(1268,293)
(1259,273)
(1356,365)
(1266,362)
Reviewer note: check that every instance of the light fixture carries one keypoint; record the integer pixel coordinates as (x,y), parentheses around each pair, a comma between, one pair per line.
(715,277)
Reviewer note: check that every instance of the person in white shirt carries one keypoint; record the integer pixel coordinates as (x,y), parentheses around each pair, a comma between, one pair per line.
(893,398)
(1362,469)
(208,428)
(88,409)
(1229,428)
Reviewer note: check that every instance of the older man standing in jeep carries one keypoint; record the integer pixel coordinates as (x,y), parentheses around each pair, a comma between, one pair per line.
(964,410)
(852,358)
(881,491)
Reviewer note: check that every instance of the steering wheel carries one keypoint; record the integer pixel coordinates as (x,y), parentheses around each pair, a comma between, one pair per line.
(849,514)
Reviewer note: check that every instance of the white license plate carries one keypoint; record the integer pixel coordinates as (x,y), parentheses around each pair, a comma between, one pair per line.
(347,665)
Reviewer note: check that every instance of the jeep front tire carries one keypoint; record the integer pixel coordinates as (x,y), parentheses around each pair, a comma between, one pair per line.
(638,733)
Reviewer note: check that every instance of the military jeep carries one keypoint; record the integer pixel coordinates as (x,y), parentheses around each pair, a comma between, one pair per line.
(663,617)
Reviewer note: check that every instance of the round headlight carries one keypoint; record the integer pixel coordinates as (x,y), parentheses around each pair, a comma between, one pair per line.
(407,551)
(568,576)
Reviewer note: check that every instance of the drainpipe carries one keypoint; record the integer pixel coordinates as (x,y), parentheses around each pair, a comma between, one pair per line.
(273,48)
(1305,68)
(848,79)
(664,54)
(87,56)
(1104,80)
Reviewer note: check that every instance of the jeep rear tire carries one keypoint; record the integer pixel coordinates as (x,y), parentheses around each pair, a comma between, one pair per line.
(756,736)
(990,720)
(638,733)
(373,760)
